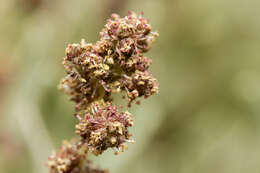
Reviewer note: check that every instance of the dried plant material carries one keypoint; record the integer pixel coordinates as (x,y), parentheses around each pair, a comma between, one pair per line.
(114,64)
(104,127)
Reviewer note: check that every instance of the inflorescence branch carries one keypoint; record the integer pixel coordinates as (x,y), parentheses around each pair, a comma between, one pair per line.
(115,64)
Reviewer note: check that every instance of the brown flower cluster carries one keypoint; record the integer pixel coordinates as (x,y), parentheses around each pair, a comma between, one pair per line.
(104,127)
(114,64)
(71,158)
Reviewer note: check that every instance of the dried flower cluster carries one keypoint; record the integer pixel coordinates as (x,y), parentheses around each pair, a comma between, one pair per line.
(114,64)
(105,127)
(70,158)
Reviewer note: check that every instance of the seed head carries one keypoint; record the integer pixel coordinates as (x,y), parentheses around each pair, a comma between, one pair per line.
(67,159)
(94,72)
(104,127)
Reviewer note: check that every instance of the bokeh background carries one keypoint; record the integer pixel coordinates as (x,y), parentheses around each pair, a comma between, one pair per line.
(206,117)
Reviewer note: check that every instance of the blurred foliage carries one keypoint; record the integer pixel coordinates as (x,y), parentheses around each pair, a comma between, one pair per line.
(205,119)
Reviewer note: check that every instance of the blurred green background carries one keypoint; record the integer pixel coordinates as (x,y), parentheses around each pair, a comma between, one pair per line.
(206,118)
